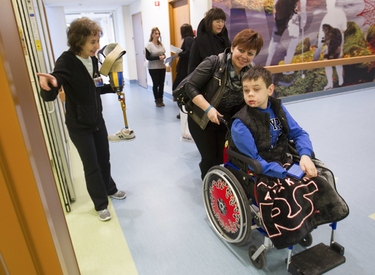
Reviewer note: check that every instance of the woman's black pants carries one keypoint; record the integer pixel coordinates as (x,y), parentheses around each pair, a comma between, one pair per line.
(93,148)
(210,143)
(158,78)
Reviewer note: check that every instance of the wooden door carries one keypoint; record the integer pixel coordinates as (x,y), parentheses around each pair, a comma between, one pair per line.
(179,14)
(139,49)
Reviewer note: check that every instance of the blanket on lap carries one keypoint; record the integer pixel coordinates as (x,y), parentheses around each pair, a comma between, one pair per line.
(291,208)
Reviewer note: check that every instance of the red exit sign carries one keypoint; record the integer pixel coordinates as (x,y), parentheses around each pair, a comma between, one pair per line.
(157,3)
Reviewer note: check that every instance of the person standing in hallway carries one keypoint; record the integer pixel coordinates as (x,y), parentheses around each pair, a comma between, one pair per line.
(155,54)
(215,88)
(77,72)
(212,38)
(187,35)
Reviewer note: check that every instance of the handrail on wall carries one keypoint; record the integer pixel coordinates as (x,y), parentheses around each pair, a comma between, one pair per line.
(320,64)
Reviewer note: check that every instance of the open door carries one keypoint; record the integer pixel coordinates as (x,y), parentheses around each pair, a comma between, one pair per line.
(179,14)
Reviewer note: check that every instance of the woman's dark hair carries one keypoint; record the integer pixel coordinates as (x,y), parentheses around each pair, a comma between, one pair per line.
(153,30)
(186,30)
(78,32)
(213,14)
(248,39)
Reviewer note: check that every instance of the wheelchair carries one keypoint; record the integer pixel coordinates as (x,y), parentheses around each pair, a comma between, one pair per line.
(231,205)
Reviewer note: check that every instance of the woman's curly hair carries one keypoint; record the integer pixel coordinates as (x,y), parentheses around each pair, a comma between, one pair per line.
(79,31)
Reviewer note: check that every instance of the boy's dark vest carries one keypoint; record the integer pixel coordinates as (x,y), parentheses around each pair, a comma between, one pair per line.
(259,125)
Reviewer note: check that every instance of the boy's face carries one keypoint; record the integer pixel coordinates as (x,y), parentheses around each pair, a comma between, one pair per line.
(256,93)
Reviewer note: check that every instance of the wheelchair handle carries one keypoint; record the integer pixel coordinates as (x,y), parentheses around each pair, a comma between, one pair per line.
(221,119)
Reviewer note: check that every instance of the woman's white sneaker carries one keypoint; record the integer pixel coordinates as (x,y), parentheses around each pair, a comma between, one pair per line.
(104,215)
(122,135)
(119,195)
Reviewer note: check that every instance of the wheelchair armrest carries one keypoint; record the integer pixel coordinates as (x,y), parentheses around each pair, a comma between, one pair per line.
(258,169)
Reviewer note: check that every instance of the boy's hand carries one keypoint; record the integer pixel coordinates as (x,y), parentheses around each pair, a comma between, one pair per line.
(308,166)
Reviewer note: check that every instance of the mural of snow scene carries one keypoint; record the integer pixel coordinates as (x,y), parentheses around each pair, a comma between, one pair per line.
(296,31)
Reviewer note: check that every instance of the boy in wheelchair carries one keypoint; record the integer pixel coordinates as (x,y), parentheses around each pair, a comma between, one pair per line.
(291,203)
(250,128)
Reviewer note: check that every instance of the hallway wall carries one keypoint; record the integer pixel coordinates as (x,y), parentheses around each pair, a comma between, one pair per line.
(57,27)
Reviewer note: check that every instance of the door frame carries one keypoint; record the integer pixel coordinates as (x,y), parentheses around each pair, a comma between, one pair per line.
(172,31)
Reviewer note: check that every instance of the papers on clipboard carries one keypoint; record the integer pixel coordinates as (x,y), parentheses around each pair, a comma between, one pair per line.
(169,60)
(176,50)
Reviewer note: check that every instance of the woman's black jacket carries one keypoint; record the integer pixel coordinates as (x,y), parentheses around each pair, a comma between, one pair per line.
(83,103)
(207,44)
(206,79)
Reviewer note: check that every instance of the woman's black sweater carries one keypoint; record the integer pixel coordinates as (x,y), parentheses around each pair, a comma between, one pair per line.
(83,103)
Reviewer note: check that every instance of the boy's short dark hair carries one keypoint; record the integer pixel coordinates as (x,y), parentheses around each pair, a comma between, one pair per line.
(258,71)
(78,32)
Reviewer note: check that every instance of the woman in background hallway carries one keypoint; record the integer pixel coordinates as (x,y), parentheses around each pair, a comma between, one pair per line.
(212,37)
(187,35)
(155,54)
(77,71)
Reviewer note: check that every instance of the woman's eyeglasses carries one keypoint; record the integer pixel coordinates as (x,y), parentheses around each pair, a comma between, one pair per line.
(219,21)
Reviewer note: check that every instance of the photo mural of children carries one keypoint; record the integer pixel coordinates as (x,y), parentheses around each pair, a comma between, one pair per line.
(288,17)
(306,20)
(331,33)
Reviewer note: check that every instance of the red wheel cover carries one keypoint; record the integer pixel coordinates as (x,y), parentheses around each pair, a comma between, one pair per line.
(229,221)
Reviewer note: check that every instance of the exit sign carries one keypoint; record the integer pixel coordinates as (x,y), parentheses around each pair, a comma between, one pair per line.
(157,3)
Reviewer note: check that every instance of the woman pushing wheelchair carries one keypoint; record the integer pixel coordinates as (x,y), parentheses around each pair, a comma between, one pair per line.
(215,89)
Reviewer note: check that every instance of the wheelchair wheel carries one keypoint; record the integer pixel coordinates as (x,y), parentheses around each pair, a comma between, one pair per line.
(260,261)
(227,206)
(307,240)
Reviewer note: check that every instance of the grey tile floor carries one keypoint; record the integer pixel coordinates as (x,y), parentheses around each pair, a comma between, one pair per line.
(163,218)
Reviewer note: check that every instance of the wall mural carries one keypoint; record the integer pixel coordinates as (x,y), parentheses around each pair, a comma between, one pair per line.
(297,31)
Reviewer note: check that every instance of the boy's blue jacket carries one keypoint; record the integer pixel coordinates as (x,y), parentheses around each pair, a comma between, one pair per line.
(262,133)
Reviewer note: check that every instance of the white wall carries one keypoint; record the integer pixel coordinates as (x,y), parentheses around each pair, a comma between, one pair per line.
(122,27)
(197,10)
(57,29)
(130,47)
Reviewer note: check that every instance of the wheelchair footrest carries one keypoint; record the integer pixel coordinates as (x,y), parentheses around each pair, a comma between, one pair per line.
(315,260)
